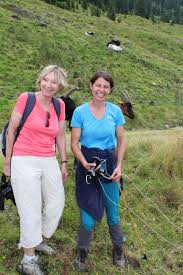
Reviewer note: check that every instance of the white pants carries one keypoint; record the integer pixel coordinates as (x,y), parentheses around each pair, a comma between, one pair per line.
(39,195)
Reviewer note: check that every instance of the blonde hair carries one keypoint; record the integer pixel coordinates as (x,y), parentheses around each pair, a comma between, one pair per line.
(59,72)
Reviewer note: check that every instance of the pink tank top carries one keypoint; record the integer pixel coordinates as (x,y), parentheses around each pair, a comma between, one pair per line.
(35,139)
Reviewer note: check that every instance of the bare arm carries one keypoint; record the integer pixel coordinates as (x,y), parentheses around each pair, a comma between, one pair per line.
(117,173)
(61,145)
(13,125)
(75,138)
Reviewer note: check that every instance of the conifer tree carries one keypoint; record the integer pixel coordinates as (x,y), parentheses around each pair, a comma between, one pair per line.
(140,8)
(95,11)
(111,14)
(166,10)
(84,4)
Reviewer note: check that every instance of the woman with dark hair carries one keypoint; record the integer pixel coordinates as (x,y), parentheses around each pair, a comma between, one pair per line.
(98,127)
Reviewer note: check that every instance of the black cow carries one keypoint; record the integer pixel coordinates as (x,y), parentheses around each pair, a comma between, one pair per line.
(114,45)
(70,105)
(115,42)
(89,33)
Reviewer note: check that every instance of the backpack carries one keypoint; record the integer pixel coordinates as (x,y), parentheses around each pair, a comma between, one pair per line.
(31,100)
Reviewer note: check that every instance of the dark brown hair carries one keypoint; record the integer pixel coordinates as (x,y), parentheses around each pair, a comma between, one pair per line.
(103,75)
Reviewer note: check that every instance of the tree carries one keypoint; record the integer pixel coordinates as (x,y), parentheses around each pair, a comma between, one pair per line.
(181,15)
(131,6)
(71,5)
(84,4)
(125,8)
(111,14)
(140,8)
(166,10)
(148,9)
(95,11)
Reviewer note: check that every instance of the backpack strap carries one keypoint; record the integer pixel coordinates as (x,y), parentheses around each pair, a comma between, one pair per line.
(31,100)
(56,105)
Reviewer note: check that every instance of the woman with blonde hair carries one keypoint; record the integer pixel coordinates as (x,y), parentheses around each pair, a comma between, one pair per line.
(36,178)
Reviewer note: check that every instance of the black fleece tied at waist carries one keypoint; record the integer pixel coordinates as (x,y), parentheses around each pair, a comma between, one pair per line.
(89,196)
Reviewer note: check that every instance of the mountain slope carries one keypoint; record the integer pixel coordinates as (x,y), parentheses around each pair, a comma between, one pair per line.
(150,67)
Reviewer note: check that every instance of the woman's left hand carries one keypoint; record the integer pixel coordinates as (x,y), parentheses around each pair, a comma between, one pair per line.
(116,175)
(64,172)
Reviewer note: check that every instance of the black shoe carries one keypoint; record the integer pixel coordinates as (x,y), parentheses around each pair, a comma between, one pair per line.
(118,256)
(80,260)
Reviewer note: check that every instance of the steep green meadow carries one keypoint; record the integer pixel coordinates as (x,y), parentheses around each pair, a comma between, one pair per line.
(34,34)
(153,172)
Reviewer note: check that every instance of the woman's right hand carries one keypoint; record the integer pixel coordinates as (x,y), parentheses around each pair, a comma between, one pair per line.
(89,166)
(7,168)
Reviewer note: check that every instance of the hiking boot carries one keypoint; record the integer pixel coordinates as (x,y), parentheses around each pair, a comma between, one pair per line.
(118,256)
(45,249)
(80,260)
(29,267)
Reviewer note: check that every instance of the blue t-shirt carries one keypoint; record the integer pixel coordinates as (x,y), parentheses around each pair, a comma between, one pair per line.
(98,133)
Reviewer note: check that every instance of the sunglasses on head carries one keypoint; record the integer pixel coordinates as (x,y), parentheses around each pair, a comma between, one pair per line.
(48,116)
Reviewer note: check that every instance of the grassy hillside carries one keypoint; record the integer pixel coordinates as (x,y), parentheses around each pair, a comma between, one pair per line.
(34,34)
(153,172)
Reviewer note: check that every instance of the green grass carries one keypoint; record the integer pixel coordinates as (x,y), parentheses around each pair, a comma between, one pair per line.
(150,67)
(153,165)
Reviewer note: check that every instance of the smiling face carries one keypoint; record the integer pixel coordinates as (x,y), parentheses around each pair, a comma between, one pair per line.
(100,89)
(49,84)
